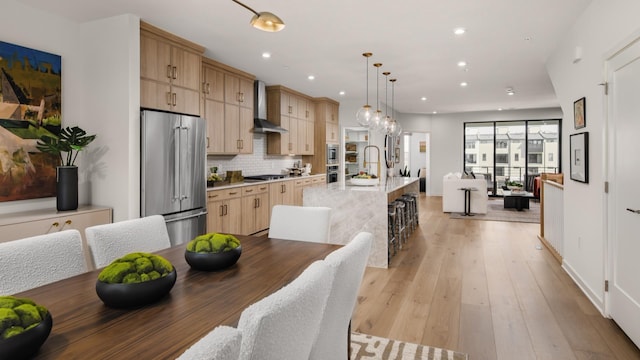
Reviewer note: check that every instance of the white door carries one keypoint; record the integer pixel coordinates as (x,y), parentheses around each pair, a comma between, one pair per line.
(624,211)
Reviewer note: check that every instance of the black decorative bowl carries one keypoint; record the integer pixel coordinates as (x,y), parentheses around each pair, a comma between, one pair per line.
(135,294)
(212,261)
(27,344)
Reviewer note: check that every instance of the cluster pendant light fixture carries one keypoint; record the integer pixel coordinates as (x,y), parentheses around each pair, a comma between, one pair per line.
(394,128)
(264,20)
(375,120)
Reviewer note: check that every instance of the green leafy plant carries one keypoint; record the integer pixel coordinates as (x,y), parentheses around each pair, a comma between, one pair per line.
(512,183)
(18,315)
(70,141)
(134,268)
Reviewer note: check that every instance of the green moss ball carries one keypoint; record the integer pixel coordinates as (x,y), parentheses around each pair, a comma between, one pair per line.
(135,268)
(213,243)
(18,315)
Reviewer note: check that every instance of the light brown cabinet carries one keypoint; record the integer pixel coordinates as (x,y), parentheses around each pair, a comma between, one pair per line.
(169,71)
(224,211)
(255,208)
(228,108)
(296,113)
(326,131)
(281,193)
(39,222)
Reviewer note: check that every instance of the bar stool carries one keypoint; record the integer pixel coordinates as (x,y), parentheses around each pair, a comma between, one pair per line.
(416,197)
(408,213)
(414,207)
(401,216)
(391,233)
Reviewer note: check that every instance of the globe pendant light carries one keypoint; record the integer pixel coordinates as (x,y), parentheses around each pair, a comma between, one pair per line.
(386,121)
(377,118)
(392,129)
(364,115)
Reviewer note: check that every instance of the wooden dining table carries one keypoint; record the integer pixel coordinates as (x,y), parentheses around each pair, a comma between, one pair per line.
(84,328)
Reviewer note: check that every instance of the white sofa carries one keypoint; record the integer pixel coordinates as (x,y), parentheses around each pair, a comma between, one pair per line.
(453,197)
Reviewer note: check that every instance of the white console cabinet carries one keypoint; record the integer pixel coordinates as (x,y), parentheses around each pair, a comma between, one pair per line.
(38,222)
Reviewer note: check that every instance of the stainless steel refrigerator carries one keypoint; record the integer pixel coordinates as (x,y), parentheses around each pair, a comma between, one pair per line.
(173,181)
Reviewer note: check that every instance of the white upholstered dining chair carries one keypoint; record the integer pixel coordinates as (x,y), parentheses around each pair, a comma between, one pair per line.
(222,343)
(304,223)
(110,241)
(284,325)
(349,263)
(35,261)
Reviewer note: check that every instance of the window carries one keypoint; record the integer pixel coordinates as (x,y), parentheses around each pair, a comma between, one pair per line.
(470,145)
(501,158)
(550,156)
(484,157)
(501,144)
(470,158)
(516,157)
(499,171)
(535,158)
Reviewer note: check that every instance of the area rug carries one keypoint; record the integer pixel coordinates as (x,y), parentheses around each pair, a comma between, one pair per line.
(369,347)
(497,212)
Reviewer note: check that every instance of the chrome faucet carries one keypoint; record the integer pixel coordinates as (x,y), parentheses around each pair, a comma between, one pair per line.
(365,157)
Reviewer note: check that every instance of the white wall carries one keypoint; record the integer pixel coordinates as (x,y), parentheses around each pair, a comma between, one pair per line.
(100,87)
(603,27)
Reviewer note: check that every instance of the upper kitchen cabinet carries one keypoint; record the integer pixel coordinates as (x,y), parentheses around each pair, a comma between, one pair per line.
(228,108)
(326,131)
(295,112)
(169,71)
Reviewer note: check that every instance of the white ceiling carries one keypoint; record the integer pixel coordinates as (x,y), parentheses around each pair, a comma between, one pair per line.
(413,39)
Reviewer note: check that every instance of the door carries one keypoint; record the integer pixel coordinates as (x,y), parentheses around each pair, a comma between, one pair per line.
(192,163)
(624,199)
(159,185)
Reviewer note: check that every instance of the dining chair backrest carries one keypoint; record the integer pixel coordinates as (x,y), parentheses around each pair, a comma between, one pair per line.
(110,241)
(284,325)
(35,261)
(304,223)
(222,343)
(349,263)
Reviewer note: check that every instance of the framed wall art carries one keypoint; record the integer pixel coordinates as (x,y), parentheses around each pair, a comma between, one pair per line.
(579,113)
(579,156)
(30,107)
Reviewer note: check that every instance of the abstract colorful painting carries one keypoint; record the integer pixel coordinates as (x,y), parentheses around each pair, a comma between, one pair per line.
(30,107)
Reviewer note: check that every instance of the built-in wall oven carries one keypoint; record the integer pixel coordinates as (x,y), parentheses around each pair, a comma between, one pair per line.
(332,173)
(332,162)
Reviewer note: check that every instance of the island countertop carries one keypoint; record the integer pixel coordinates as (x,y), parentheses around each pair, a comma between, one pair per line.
(386,185)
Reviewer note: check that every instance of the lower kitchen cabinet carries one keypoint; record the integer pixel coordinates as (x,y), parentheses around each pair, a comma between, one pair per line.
(298,189)
(255,209)
(39,222)
(224,211)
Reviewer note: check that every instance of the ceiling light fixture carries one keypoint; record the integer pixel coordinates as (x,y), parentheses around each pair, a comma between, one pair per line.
(364,114)
(266,55)
(386,121)
(510,92)
(341,93)
(457,31)
(377,118)
(394,128)
(424,98)
(464,84)
(462,63)
(264,20)
(311,77)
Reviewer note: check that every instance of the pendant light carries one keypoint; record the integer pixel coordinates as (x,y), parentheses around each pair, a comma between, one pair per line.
(264,20)
(386,121)
(363,116)
(394,128)
(377,118)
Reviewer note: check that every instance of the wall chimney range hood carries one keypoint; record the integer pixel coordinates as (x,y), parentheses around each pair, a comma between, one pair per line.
(260,122)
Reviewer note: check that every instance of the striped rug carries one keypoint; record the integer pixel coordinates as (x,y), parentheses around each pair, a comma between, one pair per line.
(368,347)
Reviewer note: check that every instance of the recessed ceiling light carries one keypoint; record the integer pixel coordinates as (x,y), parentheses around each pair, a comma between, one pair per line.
(499,109)
(435,112)
(510,92)
(424,98)
(311,77)
(462,63)
(266,55)
(463,84)
(341,93)
(459,31)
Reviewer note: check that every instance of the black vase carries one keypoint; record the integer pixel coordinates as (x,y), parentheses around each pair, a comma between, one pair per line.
(67,188)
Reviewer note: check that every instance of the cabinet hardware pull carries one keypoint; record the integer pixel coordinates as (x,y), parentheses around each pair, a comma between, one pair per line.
(174,99)
(55,224)
(283,188)
(169,98)
(208,88)
(169,71)
(175,73)
(221,210)
(241,97)
(225,209)
(207,142)
(249,190)
(634,211)
(68,222)
(307,114)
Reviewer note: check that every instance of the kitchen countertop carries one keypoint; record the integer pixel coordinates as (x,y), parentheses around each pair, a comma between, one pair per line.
(386,185)
(258,182)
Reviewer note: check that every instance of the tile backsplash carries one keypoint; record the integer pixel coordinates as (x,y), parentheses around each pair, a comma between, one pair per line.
(257,163)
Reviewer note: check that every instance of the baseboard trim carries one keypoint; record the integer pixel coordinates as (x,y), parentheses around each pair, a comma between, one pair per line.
(596,300)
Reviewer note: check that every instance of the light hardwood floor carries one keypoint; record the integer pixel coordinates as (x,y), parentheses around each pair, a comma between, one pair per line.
(483,288)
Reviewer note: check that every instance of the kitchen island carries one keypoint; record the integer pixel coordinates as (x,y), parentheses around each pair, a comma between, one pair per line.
(361,208)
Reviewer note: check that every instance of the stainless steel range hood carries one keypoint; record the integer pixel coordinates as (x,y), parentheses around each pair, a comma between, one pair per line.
(260,122)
